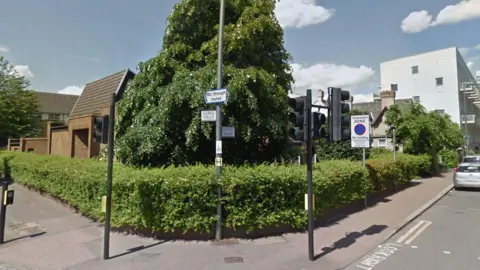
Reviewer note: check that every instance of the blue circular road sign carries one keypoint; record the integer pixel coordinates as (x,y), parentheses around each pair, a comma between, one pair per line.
(359,129)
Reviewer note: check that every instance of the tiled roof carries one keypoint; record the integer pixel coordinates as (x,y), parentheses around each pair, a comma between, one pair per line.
(56,103)
(375,107)
(97,94)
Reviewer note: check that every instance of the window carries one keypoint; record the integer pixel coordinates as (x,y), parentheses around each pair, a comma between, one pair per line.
(394,87)
(441,112)
(416,99)
(439,81)
(382,142)
(415,70)
(54,117)
(30,150)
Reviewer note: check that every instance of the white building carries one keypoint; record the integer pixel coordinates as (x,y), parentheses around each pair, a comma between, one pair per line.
(440,80)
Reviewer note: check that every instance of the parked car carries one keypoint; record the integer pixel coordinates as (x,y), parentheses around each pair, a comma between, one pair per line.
(467,175)
(471,159)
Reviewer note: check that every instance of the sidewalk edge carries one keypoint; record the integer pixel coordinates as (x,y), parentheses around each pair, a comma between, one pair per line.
(418,212)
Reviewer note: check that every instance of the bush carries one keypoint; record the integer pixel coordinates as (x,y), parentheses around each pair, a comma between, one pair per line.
(339,150)
(184,198)
(375,152)
(449,158)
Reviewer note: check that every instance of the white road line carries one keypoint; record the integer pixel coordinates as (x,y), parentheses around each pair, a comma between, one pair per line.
(419,223)
(446,252)
(413,246)
(418,232)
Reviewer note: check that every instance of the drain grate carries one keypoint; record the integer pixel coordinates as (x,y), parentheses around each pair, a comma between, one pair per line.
(233,259)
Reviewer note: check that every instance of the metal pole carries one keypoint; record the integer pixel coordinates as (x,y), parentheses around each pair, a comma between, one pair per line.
(3,213)
(394,146)
(3,207)
(108,209)
(218,129)
(364,165)
(465,117)
(308,132)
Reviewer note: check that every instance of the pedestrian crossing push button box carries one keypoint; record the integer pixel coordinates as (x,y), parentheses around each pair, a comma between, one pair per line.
(8,197)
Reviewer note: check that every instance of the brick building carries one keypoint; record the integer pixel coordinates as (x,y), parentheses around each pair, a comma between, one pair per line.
(75,139)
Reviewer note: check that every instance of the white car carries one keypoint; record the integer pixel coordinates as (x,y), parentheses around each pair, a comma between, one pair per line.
(467,175)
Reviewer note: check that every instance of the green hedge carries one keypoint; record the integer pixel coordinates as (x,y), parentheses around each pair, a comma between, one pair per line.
(184,198)
(449,158)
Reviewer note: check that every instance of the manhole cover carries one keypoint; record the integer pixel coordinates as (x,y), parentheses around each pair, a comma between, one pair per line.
(27,228)
(225,242)
(233,259)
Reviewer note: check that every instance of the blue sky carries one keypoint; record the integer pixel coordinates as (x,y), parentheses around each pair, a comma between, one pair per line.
(61,45)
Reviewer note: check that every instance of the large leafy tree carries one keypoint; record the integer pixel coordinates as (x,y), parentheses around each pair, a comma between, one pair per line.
(420,131)
(341,149)
(159,117)
(18,106)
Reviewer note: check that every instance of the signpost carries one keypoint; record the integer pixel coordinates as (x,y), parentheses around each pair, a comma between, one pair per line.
(216,96)
(209,116)
(360,136)
(228,132)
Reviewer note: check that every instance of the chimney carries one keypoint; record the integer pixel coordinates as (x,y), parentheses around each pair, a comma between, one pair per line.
(387,98)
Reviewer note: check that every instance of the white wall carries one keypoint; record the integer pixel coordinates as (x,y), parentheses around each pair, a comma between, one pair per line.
(431,65)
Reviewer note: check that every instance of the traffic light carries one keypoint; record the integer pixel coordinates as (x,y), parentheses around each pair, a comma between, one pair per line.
(297,118)
(339,126)
(319,120)
(100,129)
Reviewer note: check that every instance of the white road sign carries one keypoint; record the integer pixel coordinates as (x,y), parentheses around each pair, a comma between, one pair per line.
(228,132)
(209,116)
(360,133)
(217,96)
(218,148)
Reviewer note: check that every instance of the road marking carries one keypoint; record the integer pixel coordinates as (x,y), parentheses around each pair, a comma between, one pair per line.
(403,237)
(414,247)
(381,254)
(446,252)
(418,232)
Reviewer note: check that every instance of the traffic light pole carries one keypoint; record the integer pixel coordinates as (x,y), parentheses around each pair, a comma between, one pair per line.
(108,208)
(308,135)
(218,129)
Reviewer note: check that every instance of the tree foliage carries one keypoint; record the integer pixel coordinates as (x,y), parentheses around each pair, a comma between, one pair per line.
(18,106)
(159,117)
(341,149)
(423,132)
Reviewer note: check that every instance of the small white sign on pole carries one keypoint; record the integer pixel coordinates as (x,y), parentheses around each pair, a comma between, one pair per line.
(216,96)
(360,132)
(209,116)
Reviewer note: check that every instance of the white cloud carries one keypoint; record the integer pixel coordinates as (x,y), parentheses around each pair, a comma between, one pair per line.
(324,75)
(72,90)
(470,64)
(464,51)
(23,70)
(301,13)
(418,21)
(4,48)
(360,98)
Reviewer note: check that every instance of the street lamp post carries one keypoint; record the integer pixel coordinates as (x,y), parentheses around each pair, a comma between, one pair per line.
(218,128)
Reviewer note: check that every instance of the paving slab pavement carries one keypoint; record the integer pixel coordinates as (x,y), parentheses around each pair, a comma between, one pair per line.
(62,239)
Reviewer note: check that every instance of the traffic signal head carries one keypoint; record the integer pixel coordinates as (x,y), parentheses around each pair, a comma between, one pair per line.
(100,129)
(340,123)
(318,120)
(297,118)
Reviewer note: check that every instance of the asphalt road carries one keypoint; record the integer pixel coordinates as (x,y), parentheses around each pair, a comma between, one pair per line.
(445,237)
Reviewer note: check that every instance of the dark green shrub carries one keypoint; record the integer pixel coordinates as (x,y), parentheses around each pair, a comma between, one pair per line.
(184,198)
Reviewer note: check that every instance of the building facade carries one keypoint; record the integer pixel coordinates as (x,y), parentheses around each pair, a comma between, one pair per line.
(54,108)
(440,80)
